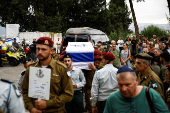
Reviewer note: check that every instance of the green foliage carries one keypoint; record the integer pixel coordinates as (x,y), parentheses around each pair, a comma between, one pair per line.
(151,30)
(59,15)
(115,36)
(119,16)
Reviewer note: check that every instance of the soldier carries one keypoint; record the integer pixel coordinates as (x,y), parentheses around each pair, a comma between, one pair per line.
(97,61)
(24,45)
(27,62)
(10,98)
(116,62)
(61,89)
(154,39)
(104,83)
(61,59)
(164,59)
(54,54)
(146,76)
(15,44)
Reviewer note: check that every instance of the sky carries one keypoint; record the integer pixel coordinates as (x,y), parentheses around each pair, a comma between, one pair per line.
(150,11)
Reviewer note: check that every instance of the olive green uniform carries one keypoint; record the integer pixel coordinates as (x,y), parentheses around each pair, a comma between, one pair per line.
(56,57)
(88,74)
(15,44)
(163,71)
(1,111)
(116,61)
(150,79)
(61,89)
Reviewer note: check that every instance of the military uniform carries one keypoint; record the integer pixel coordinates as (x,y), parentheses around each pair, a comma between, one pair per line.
(15,44)
(88,74)
(152,80)
(61,89)
(56,57)
(163,71)
(116,62)
(10,99)
(1,111)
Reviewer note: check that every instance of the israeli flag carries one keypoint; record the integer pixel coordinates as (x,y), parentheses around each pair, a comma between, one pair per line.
(10,41)
(82,54)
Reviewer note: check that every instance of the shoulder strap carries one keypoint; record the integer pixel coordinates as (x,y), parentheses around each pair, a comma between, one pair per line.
(148,98)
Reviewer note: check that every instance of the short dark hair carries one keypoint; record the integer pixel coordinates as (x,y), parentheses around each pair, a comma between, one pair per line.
(165,55)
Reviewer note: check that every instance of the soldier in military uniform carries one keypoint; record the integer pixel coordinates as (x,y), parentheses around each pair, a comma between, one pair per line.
(55,55)
(154,39)
(61,89)
(146,76)
(15,44)
(10,98)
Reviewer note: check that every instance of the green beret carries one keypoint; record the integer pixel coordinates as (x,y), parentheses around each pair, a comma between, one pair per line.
(144,56)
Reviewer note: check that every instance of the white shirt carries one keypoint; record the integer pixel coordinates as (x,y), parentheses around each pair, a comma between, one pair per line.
(77,78)
(120,41)
(4,45)
(104,83)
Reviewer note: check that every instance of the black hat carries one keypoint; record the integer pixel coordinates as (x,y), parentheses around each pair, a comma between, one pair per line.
(67,56)
(26,60)
(124,69)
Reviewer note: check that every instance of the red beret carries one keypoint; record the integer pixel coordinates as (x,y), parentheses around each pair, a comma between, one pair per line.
(99,42)
(64,48)
(97,57)
(109,56)
(97,52)
(61,58)
(104,53)
(63,53)
(168,65)
(45,40)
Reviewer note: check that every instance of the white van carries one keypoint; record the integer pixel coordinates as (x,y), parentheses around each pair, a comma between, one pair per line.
(84,34)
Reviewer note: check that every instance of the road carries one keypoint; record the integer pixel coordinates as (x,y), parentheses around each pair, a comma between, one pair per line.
(13,74)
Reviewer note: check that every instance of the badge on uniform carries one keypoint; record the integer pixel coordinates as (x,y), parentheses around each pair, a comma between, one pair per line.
(154,85)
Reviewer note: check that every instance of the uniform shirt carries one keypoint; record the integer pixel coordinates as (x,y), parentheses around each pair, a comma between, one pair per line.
(104,83)
(163,71)
(61,89)
(116,103)
(77,78)
(116,61)
(15,103)
(15,44)
(21,80)
(150,79)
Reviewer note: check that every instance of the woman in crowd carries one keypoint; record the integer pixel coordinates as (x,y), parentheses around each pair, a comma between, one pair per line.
(125,56)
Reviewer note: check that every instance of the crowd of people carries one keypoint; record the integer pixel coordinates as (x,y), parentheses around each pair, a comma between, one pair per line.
(132,76)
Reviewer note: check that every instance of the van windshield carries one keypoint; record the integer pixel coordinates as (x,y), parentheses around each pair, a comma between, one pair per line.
(79,38)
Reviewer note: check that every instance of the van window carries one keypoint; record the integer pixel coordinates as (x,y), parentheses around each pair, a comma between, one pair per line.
(82,38)
(68,38)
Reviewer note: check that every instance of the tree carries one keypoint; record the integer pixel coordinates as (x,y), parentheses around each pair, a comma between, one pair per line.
(119,16)
(150,30)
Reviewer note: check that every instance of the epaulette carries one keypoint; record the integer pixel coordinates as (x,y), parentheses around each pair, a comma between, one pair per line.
(23,73)
(7,81)
(63,65)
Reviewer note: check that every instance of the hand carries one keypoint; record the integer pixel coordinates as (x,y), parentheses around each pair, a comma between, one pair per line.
(92,67)
(94,110)
(125,64)
(34,110)
(74,86)
(40,104)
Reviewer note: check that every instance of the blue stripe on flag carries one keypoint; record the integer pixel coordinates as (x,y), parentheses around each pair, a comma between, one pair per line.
(82,57)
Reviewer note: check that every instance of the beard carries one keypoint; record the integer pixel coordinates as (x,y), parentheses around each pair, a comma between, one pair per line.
(43,58)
